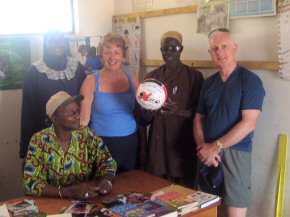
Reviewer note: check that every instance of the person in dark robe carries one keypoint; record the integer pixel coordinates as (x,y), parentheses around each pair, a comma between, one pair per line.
(57,71)
(169,150)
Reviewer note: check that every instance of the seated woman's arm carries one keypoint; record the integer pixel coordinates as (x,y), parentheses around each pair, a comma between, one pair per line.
(87,90)
(81,191)
(34,177)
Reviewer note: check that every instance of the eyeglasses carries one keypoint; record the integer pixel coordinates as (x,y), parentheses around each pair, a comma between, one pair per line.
(173,49)
(218,30)
(73,113)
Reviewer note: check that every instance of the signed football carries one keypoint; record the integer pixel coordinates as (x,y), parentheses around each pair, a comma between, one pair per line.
(151,94)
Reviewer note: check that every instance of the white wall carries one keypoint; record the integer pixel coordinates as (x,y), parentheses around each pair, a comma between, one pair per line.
(95,18)
(257,39)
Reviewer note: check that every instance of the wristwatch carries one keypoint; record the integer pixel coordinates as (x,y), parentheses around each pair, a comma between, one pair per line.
(219,144)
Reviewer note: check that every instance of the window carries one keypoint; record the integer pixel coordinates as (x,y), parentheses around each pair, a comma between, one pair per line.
(35,16)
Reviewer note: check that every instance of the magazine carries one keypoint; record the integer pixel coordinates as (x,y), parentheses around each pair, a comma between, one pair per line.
(204,199)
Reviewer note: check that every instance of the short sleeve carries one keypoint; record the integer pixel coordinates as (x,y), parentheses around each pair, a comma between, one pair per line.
(201,108)
(253,93)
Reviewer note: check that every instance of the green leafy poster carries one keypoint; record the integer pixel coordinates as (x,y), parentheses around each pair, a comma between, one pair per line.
(15,58)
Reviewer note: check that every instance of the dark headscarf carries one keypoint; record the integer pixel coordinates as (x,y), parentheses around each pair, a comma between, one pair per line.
(92,52)
(55,62)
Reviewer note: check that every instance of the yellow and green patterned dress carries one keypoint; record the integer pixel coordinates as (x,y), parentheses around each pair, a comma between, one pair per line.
(86,158)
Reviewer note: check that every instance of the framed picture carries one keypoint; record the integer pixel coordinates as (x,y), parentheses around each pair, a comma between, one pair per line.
(142,5)
(252,8)
(211,15)
(14,61)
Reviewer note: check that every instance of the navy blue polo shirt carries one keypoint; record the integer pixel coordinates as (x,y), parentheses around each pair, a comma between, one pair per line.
(222,103)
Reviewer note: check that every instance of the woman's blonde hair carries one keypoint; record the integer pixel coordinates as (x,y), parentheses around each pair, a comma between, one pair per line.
(115,39)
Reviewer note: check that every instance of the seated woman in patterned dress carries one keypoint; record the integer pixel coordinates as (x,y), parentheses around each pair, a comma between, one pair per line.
(62,159)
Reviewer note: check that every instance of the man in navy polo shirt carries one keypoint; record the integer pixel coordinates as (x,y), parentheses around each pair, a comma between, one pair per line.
(228,109)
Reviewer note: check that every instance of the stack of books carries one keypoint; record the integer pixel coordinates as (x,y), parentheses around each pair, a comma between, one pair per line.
(176,197)
(185,199)
(24,207)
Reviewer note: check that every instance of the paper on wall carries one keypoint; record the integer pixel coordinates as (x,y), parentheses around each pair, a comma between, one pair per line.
(284,43)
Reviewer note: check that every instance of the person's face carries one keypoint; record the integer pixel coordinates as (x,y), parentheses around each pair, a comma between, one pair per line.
(171,50)
(112,57)
(126,35)
(222,50)
(56,44)
(67,117)
(84,52)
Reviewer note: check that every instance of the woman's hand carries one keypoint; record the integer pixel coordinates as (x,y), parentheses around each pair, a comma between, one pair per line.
(82,191)
(105,186)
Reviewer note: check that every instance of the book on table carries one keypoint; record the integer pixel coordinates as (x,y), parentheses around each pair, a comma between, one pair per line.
(127,197)
(130,210)
(170,188)
(204,199)
(146,209)
(23,207)
(178,200)
(158,209)
(80,208)
(176,196)
(101,212)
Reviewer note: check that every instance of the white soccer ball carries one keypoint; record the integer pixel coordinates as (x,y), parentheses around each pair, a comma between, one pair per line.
(151,94)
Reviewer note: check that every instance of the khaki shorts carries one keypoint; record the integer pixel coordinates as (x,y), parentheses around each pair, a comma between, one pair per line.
(237,178)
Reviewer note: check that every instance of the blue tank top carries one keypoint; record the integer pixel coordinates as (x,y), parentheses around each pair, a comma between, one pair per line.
(112,113)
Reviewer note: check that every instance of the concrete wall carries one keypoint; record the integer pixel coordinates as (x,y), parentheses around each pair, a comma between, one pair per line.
(257,39)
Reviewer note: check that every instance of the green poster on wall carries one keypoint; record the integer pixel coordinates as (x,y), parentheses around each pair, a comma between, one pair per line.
(15,58)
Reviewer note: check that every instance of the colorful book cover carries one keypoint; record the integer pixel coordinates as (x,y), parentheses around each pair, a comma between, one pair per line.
(170,188)
(130,210)
(177,200)
(159,210)
(20,205)
(204,199)
(80,208)
(137,197)
(128,197)
(23,207)
(101,212)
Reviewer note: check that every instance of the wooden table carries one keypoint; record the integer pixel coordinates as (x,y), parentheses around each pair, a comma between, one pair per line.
(135,180)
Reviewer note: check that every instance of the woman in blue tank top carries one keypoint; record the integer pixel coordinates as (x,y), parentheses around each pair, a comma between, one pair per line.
(109,104)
